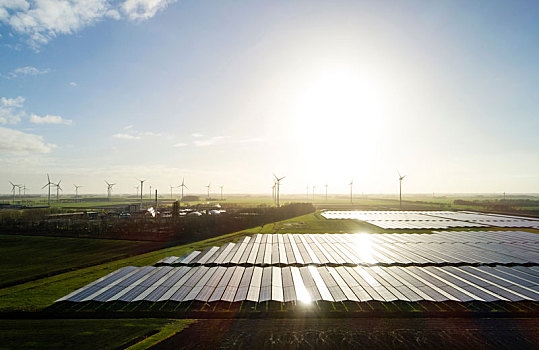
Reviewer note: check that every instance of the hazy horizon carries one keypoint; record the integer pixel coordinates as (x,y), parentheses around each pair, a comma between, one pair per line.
(229,93)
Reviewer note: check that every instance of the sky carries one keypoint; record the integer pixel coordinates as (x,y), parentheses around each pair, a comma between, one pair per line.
(228,92)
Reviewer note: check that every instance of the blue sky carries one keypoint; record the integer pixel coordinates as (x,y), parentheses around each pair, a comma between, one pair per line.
(228,92)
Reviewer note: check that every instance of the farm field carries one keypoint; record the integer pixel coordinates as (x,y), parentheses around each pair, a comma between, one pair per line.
(25,258)
(87,334)
(357,333)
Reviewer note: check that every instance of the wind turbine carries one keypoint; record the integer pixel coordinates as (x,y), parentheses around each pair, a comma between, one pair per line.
(141,188)
(109,189)
(278,183)
(13,189)
(171,187)
(24,188)
(351,184)
(58,189)
(222,191)
(326,192)
(313,192)
(49,183)
(182,186)
(400,188)
(208,187)
(137,187)
(77,191)
(273,191)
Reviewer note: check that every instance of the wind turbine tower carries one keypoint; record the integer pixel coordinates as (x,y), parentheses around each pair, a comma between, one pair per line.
(400,189)
(109,189)
(49,183)
(208,187)
(182,187)
(171,187)
(278,183)
(58,189)
(77,192)
(222,192)
(24,188)
(313,192)
(351,184)
(141,189)
(326,192)
(13,190)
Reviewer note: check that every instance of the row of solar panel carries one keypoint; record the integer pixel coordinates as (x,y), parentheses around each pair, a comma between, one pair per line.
(342,249)
(335,284)
(422,225)
(434,219)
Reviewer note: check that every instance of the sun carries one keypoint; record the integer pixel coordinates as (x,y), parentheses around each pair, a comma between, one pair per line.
(336,112)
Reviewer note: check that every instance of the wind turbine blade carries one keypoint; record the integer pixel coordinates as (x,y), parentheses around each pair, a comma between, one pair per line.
(48,178)
(44,186)
(59,183)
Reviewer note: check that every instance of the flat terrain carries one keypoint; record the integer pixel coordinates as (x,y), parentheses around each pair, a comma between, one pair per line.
(358,333)
(86,334)
(25,258)
(36,261)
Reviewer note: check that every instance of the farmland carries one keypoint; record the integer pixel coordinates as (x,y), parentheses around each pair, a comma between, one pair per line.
(25,258)
(86,334)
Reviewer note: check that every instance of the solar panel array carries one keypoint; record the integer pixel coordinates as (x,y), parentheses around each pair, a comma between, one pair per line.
(442,248)
(310,283)
(458,266)
(431,219)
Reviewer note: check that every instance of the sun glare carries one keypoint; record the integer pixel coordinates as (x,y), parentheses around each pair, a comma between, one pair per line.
(336,111)
(363,247)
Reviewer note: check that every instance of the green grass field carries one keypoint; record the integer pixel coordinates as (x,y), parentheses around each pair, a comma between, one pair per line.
(25,258)
(87,334)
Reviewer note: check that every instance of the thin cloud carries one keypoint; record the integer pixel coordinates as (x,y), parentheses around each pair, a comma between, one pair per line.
(131,134)
(210,141)
(126,136)
(179,144)
(18,142)
(251,140)
(49,119)
(28,71)
(12,102)
(73,84)
(143,9)
(11,111)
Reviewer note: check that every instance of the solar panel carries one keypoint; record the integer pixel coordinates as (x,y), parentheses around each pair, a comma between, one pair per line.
(338,267)
(232,286)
